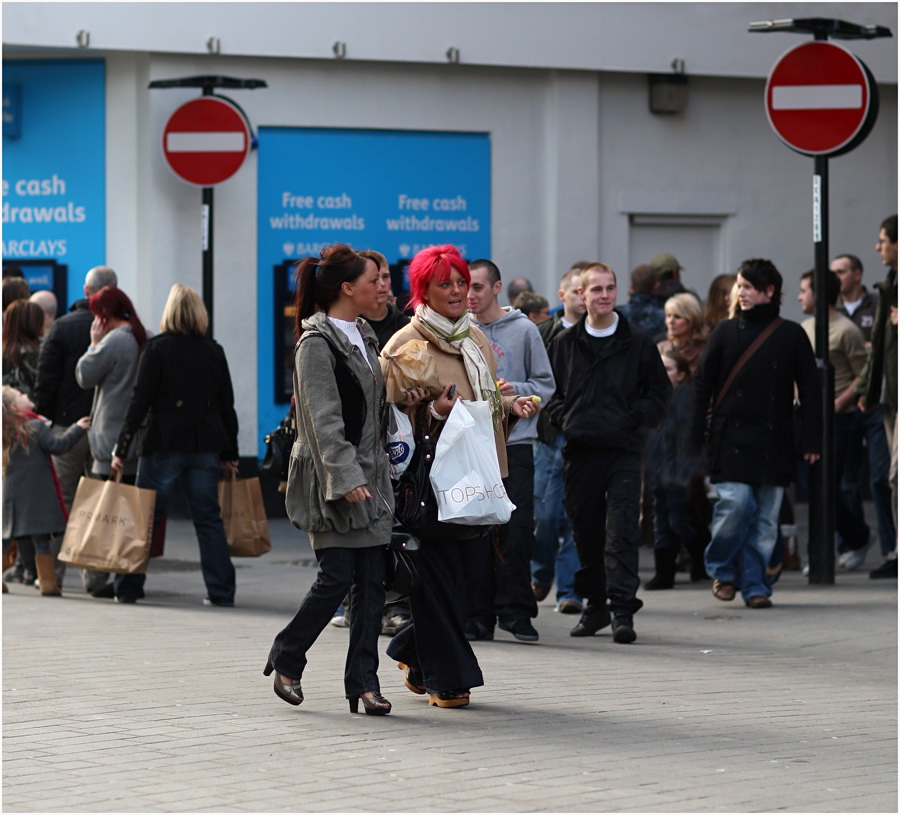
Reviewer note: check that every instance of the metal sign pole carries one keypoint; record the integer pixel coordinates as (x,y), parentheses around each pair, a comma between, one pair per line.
(821,509)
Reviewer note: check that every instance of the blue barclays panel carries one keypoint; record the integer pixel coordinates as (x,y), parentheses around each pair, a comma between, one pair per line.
(54,166)
(389,190)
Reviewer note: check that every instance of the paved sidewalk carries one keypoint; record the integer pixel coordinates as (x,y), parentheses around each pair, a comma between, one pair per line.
(162,706)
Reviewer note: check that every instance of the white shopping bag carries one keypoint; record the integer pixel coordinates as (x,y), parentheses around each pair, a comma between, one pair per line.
(400,443)
(465,475)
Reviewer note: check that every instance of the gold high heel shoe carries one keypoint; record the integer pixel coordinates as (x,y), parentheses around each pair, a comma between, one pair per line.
(285,687)
(373,702)
(412,678)
(449,698)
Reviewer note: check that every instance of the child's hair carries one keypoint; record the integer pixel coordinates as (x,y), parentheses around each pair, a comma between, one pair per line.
(681,364)
(16,429)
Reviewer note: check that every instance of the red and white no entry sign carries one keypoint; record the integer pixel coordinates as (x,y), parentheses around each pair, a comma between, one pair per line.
(821,99)
(206,141)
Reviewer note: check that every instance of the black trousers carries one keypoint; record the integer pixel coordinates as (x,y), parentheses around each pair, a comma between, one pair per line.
(506,589)
(435,643)
(362,572)
(603,495)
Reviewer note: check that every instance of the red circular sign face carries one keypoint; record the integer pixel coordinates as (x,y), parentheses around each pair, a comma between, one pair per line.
(818,98)
(206,141)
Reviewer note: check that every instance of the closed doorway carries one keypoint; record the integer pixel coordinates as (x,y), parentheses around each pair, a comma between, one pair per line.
(696,241)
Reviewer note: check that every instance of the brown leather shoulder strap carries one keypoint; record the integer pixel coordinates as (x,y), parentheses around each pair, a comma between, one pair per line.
(754,347)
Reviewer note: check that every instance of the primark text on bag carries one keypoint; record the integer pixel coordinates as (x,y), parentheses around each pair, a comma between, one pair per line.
(110,527)
(465,475)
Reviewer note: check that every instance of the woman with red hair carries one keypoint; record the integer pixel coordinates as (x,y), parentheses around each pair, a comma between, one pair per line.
(433,651)
(109,367)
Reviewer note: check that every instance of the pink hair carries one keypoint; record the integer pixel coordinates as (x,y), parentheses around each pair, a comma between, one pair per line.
(434,263)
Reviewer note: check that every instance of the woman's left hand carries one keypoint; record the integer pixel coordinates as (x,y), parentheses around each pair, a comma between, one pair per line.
(98,330)
(230,468)
(358,494)
(414,396)
(525,407)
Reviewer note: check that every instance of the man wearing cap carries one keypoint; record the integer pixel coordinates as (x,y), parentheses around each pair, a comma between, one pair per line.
(668,271)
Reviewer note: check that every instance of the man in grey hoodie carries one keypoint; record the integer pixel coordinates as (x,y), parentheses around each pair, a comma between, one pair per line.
(523,367)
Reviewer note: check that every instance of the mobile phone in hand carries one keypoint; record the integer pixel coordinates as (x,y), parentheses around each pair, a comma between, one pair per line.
(452,392)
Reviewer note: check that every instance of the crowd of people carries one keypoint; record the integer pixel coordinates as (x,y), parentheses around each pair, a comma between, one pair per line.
(651,408)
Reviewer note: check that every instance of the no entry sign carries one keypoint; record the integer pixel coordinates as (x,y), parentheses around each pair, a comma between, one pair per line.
(206,141)
(821,100)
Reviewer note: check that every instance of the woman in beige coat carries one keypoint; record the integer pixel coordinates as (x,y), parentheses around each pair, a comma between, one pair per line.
(338,487)
(433,651)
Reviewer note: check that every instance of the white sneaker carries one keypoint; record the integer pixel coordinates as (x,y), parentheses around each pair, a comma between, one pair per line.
(340,621)
(806,570)
(843,557)
(857,557)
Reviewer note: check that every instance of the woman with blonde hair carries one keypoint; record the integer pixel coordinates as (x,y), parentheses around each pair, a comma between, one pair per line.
(686,331)
(719,300)
(183,383)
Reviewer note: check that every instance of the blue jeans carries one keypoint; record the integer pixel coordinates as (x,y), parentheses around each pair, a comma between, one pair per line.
(200,471)
(744,531)
(552,524)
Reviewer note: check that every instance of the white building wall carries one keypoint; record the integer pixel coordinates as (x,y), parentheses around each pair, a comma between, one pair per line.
(575,153)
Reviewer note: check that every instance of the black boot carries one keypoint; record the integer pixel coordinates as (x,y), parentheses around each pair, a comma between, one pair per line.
(665,560)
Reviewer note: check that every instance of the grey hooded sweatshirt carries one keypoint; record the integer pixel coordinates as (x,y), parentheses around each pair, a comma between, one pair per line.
(522,361)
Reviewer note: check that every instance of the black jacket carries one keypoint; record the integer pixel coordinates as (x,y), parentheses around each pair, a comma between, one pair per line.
(611,401)
(184,382)
(58,395)
(751,437)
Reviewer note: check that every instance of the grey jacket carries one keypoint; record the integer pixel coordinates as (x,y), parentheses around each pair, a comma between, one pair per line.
(324,466)
(110,368)
(523,362)
(31,503)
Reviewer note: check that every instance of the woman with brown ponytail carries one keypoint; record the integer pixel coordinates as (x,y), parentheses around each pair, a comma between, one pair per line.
(338,488)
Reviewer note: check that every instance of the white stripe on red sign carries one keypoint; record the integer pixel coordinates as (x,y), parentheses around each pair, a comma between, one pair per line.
(211,142)
(817,97)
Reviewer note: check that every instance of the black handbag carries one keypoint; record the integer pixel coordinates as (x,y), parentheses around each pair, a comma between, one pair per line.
(279,442)
(413,491)
(401,577)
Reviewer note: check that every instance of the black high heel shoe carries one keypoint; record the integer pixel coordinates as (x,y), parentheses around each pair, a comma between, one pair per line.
(285,687)
(373,702)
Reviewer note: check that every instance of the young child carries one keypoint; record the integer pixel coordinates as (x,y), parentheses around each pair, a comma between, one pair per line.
(673,477)
(33,509)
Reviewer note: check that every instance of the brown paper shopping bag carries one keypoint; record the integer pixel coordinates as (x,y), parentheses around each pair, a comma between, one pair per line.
(110,527)
(244,516)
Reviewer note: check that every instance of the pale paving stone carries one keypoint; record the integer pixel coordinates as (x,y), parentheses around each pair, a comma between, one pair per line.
(181,719)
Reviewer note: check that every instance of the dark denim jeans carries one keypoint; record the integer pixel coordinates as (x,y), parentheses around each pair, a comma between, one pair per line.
(879,476)
(200,471)
(339,569)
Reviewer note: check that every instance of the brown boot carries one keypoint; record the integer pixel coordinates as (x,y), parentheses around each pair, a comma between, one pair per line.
(46,569)
(9,558)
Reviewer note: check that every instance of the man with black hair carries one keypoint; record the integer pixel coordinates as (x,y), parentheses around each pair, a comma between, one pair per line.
(860,305)
(750,446)
(58,396)
(878,383)
(506,598)
(847,353)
